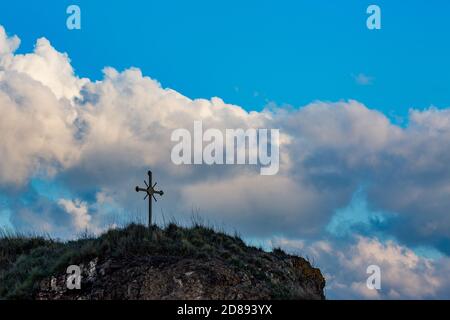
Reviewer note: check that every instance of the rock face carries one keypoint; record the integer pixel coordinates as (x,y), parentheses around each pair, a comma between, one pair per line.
(166,277)
(172,263)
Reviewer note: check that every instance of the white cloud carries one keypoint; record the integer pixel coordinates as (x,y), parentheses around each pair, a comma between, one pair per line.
(37,133)
(363,80)
(121,125)
(45,64)
(79,212)
(7,44)
(402,271)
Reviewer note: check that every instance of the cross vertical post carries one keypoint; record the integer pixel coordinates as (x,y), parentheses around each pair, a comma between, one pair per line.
(150,193)
(150,183)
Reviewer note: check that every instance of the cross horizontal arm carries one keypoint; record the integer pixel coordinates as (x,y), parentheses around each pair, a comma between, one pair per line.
(138,189)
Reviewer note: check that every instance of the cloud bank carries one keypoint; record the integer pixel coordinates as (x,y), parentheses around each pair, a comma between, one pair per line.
(72,151)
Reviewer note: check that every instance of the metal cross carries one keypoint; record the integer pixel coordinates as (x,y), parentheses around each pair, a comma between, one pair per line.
(150,193)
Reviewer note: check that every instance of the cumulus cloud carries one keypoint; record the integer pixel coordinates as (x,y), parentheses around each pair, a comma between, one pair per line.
(7,44)
(45,64)
(37,133)
(79,212)
(98,139)
(102,135)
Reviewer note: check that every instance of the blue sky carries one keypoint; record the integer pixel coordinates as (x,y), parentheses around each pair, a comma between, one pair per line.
(254,52)
(361,181)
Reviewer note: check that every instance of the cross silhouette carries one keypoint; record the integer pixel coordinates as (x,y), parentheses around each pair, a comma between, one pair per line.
(150,193)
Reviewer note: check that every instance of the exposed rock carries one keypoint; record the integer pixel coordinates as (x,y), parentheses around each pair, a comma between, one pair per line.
(180,278)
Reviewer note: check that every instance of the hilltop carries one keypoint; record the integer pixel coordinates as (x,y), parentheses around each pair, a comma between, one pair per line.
(170,263)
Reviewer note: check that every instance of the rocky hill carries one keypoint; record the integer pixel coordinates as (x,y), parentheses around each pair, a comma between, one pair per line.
(170,263)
